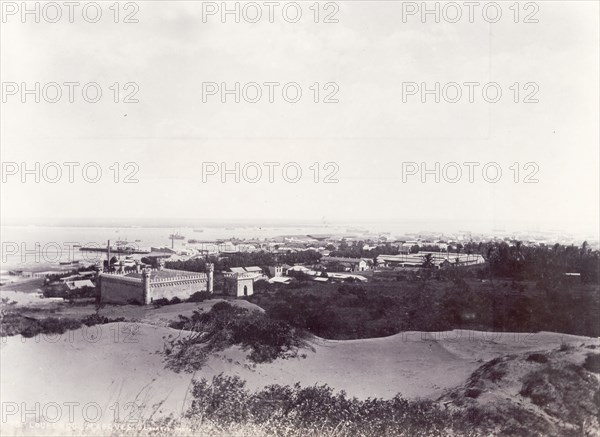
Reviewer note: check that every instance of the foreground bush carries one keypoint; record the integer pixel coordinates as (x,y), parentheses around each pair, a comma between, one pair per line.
(226,406)
(226,325)
(279,409)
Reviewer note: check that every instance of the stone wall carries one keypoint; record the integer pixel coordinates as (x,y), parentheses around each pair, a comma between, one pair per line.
(182,289)
(121,290)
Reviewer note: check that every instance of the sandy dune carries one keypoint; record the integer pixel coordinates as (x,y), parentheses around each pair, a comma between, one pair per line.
(111,365)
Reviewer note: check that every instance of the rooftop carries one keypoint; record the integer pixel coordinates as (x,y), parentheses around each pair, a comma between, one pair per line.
(341,259)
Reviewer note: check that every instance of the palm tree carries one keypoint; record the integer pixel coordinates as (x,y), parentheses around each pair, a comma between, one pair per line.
(428,261)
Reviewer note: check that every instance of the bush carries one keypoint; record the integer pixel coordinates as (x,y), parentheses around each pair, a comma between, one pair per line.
(200,296)
(564,347)
(160,302)
(262,286)
(537,358)
(222,306)
(84,292)
(50,325)
(226,325)
(473,392)
(55,291)
(14,324)
(134,302)
(227,404)
(592,363)
(96,319)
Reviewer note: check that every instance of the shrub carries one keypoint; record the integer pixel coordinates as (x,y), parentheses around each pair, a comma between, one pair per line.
(84,292)
(592,363)
(227,405)
(262,286)
(537,358)
(473,392)
(51,325)
(564,347)
(226,325)
(96,319)
(160,302)
(222,306)
(134,302)
(55,291)
(13,324)
(199,296)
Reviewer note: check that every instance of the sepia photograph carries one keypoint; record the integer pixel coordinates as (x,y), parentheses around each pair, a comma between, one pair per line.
(310,218)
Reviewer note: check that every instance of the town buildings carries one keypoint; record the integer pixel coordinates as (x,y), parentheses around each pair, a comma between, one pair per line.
(346,264)
(439,259)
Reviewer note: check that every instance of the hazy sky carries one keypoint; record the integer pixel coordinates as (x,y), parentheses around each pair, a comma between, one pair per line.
(368,134)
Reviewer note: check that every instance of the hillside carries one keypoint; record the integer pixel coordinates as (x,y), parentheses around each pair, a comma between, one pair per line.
(117,369)
(550,392)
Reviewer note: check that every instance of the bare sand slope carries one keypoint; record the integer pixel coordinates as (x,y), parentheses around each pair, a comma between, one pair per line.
(110,365)
(414,364)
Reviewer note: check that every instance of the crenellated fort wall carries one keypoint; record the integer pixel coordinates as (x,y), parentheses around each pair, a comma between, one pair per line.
(182,289)
(118,288)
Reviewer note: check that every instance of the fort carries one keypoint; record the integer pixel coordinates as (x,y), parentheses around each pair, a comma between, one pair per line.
(148,285)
